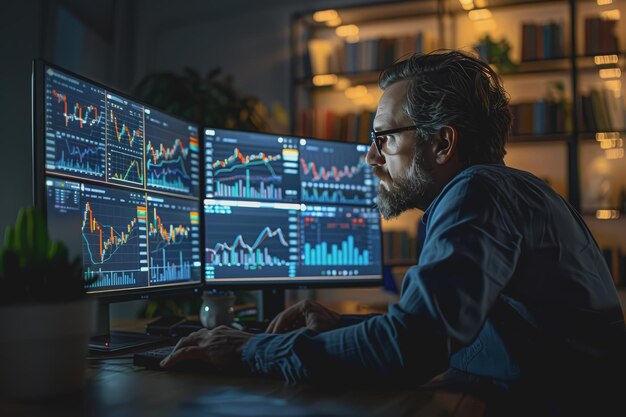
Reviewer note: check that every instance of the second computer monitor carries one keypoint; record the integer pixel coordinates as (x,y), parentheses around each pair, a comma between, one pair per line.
(284,210)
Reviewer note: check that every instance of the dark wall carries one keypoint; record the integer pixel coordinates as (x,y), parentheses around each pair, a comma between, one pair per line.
(19,43)
(118,42)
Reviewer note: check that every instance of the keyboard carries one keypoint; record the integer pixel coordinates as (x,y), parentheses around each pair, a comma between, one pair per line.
(152,358)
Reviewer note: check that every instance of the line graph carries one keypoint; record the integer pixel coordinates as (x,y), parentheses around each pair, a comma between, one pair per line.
(173,240)
(167,168)
(249,255)
(335,173)
(79,158)
(74,127)
(125,168)
(172,160)
(267,248)
(125,138)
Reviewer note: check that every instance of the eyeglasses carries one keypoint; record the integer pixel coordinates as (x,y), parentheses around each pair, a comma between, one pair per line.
(378,137)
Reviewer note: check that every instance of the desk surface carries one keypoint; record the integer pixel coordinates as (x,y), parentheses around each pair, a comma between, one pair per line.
(115,387)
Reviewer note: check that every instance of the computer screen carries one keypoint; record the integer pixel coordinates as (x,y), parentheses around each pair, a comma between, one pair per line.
(120,184)
(281,210)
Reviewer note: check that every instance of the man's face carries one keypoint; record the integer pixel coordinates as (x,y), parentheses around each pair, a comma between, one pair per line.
(403,169)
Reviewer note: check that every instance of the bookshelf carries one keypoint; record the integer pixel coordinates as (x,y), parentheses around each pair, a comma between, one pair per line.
(564,74)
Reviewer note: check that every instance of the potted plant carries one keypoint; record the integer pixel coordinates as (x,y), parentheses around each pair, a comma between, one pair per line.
(45,318)
(210,100)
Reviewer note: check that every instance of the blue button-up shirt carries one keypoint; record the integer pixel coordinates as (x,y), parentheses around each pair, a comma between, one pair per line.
(510,285)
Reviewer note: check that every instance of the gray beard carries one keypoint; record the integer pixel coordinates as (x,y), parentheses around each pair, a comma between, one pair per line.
(404,193)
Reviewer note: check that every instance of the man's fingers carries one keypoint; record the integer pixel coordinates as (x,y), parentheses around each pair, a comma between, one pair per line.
(287,321)
(182,354)
(190,340)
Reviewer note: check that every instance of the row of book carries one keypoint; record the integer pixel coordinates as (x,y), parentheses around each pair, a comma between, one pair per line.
(541,117)
(399,246)
(542,41)
(603,111)
(328,124)
(370,54)
(600,36)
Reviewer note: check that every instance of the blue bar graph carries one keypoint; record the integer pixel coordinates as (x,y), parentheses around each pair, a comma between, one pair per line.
(169,271)
(321,255)
(110,278)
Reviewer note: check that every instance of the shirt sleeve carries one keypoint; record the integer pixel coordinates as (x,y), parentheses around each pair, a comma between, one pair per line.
(469,254)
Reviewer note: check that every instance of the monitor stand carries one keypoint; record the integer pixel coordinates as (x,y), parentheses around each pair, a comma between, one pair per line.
(272,302)
(104,340)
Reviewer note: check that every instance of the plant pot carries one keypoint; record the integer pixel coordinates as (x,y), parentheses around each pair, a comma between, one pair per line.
(43,348)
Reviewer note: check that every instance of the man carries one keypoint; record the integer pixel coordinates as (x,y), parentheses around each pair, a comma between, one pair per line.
(510,292)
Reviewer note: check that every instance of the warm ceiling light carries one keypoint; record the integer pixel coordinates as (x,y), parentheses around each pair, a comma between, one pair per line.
(334,22)
(486,25)
(607,135)
(325,15)
(480,3)
(607,214)
(467,4)
(342,83)
(607,73)
(604,2)
(611,14)
(347,30)
(616,153)
(352,38)
(356,92)
(605,59)
(324,79)
(479,14)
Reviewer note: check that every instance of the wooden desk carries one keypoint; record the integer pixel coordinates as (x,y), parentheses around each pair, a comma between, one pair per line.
(116,388)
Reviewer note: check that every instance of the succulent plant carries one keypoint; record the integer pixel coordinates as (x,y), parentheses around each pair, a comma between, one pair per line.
(35,269)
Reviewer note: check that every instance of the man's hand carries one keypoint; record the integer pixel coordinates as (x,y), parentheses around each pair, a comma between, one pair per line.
(305,313)
(220,347)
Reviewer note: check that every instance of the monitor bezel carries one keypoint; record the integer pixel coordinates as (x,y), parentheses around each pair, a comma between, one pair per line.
(39,179)
(302,284)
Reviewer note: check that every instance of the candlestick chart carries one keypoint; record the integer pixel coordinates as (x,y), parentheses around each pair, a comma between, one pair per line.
(114,238)
(124,141)
(328,174)
(74,127)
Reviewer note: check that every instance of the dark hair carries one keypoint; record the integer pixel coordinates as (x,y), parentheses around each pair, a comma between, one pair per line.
(452,88)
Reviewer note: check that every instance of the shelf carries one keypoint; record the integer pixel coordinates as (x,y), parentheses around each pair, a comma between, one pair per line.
(551,137)
(591,136)
(586,63)
(361,14)
(368,77)
(610,213)
(544,66)
(400,262)
(456,8)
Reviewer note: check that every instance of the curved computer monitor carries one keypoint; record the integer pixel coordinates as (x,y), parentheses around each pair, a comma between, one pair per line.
(283,211)
(119,182)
